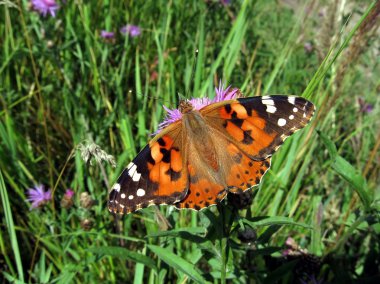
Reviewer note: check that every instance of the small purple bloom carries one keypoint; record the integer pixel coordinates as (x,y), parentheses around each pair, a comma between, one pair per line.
(106,34)
(225,2)
(222,94)
(69,193)
(290,242)
(364,106)
(45,6)
(38,196)
(67,200)
(131,30)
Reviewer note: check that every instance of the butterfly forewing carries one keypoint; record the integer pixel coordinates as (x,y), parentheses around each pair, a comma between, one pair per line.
(259,125)
(156,176)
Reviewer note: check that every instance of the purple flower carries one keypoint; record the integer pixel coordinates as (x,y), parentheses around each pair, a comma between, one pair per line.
(290,242)
(364,106)
(67,200)
(225,2)
(106,34)
(131,30)
(38,196)
(69,193)
(45,6)
(222,94)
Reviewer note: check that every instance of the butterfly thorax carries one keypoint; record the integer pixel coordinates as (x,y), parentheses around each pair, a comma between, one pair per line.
(201,146)
(185,106)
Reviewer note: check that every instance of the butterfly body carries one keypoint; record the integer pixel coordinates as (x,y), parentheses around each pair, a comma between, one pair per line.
(219,148)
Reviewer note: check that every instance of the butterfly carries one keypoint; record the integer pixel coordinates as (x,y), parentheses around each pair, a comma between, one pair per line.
(208,148)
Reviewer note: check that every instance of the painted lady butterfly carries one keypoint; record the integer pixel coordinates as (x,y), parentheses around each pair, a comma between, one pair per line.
(208,148)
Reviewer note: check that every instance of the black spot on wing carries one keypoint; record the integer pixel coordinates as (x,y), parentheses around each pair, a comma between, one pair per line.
(247,137)
(174,176)
(161,142)
(166,155)
(228,108)
(237,121)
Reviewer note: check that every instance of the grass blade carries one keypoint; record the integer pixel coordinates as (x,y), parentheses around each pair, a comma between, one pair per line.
(178,263)
(11,227)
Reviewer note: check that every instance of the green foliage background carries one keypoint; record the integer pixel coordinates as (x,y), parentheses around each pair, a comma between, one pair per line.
(61,85)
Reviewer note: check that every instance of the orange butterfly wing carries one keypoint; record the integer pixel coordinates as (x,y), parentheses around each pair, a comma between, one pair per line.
(254,128)
(194,168)
(156,176)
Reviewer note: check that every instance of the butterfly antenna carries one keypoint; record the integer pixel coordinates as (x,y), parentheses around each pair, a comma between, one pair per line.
(194,65)
(151,97)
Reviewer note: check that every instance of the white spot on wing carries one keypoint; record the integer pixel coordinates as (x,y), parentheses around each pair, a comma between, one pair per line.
(132,170)
(281,122)
(268,101)
(116,187)
(291,117)
(140,192)
(136,176)
(122,195)
(271,109)
(265,97)
(292,100)
(130,165)
(295,109)
(130,197)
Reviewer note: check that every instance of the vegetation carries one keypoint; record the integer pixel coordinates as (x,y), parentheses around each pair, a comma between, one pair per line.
(65,86)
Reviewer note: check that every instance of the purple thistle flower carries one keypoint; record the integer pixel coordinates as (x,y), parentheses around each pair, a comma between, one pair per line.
(38,196)
(106,34)
(45,6)
(67,200)
(69,193)
(222,94)
(131,30)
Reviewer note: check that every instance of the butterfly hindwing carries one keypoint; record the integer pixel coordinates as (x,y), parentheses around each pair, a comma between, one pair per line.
(156,176)
(245,172)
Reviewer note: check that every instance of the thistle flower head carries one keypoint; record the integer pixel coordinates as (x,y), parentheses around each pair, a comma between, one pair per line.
(221,94)
(106,34)
(38,196)
(69,193)
(67,200)
(45,7)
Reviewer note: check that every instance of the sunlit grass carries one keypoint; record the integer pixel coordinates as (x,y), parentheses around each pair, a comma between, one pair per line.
(62,85)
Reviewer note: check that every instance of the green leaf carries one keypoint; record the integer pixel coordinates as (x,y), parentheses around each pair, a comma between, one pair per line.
(348,172)
(178,263)
(11,228)
(269,232)
(124,253)
(179,232)
(276,220)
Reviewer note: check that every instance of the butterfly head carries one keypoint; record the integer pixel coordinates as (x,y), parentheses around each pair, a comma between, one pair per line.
(221,94)
(185,106)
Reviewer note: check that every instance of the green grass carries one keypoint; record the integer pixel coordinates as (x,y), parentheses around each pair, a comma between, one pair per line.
(63,85)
